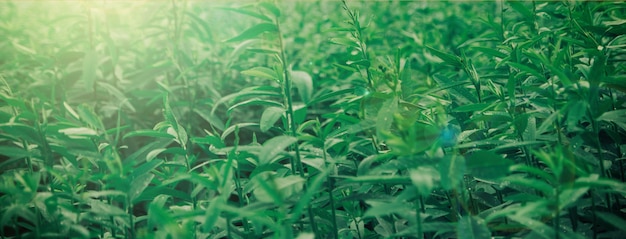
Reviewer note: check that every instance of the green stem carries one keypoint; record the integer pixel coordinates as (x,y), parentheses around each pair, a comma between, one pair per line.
(292,125)
(418,215)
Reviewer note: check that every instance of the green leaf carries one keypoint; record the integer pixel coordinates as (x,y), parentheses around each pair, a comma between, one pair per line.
(384,179)
(255,101)
(539,185)
(384,118)
(138,185)
(268,191)
(271,8)
(477,107)
(615,116)
(537,226)
(70,110)
(487,165)
(262,72)
(146,167)
(274,147)
(447,58)
(88,116)
(232,128)
(13,152)
(211,118)
(470,227)
(303,81)
(452,169)
(78,132)
(519,7)
(612,219)
(526,69)
(113,91)
(424,178)
(344,42)
(20,131)
(329,96)
(148,133)
(100,208)
(247,93)
(269,117)
(254,31)
(90,65)
(152,154)
(209,140)
(381,208)
(490,51)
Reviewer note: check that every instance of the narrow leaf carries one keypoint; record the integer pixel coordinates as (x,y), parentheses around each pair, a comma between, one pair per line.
(254,31)
(262,72)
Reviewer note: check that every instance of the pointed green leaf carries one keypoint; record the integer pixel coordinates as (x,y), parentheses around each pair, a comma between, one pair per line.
(274,147)
(232,128)
(612,219)
(616,116)
(80,132)
(344,42)
(303,81)
(211,118)
(88,116)
(146,167)
(379,208)
(447,58)
(148,133)
(271,7)
(478,107)
(270,116)
(255,101)
(138,185)
(262,72)
(329,96)
(254,31)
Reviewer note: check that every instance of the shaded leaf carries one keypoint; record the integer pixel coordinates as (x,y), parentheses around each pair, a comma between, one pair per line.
(470,227)
(488,165)
(616,116)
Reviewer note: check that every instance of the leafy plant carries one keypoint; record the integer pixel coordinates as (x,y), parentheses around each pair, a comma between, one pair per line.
(383,120)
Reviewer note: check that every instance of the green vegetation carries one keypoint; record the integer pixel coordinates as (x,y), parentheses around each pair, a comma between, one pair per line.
(305,119)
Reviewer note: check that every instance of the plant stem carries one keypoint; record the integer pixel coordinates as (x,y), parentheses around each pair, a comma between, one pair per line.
(419,208)
(292,125)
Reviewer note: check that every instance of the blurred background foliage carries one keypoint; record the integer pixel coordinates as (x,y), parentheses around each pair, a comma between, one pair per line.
(312,119)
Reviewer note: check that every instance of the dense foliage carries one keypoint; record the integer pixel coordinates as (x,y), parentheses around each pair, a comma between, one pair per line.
(305,119)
